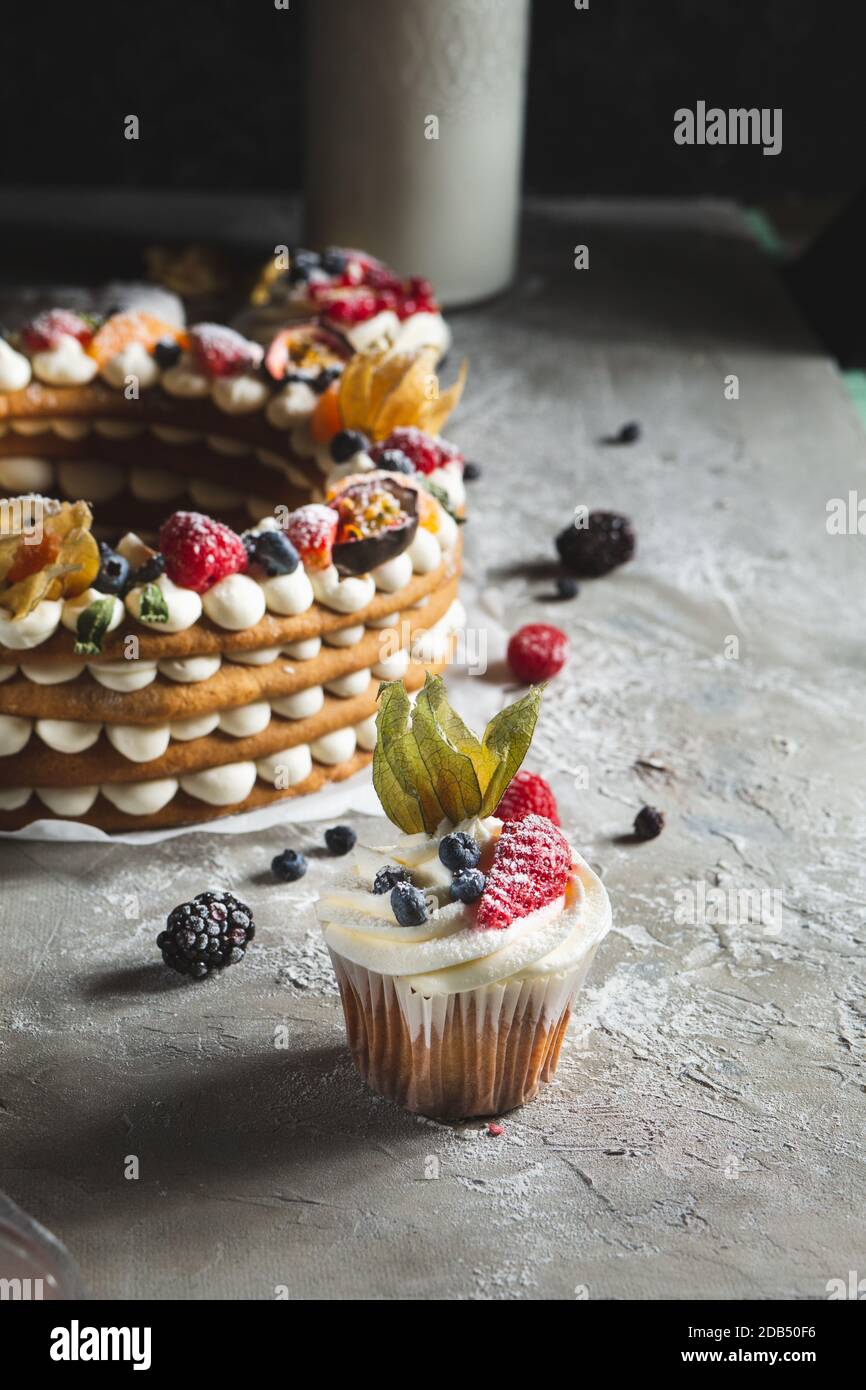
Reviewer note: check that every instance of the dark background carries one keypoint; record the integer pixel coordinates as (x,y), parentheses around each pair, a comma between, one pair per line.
(218,87)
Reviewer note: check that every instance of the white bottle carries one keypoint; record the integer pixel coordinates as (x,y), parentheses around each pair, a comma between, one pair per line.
(414,136)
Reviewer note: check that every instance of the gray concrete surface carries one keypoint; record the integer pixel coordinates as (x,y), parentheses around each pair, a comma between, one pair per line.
(705,1134)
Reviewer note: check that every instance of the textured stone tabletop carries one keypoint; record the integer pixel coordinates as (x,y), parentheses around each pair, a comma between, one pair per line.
(704,1134)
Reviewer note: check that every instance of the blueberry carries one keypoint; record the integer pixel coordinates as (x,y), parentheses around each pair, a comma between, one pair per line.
(567,587)
(167,352)
(347,443)
(149,572)
(340,839)
(275,553)
(471,472)
(389,877)
(113,576)
(249,544)
(334,261)
(302,263)
(327,376)
(626,434)
(409,904)
(289,866)
(459,851)
(395,461)
(467,885)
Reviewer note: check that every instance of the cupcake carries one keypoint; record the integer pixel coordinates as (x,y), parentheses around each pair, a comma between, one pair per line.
(459,946)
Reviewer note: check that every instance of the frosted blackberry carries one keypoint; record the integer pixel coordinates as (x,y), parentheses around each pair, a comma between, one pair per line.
(389,877)
(207,934)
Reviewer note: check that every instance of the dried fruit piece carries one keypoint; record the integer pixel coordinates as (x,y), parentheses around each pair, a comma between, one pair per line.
(132,326)
(67,551)
(530,869)
(327,420)
(32,557)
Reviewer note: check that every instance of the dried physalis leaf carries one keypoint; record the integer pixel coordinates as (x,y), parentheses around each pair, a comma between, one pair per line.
(382,390)
(51,555)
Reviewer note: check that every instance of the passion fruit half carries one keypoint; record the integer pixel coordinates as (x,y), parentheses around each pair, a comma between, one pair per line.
(378,518)
(306,348)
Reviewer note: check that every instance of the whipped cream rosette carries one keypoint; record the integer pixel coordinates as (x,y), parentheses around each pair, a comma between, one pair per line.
(459,946)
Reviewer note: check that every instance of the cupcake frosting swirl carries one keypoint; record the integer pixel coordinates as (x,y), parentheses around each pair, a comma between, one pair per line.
(449,953)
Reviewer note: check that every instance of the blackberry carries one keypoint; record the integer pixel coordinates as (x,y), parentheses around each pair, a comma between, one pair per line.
(459,851)
(471,472)
(113,576)
(340,839)
(409,904)
(395,461)
(389,877)
(606,541)
(467,885)
(289,866)
(648,823)
(275,553)
(167,352)
(347,443)
(149,572)
(207,934)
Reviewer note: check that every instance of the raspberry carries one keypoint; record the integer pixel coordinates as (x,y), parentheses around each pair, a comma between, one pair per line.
(199,551)
(589,551)
(206,935)
(353,308)
(312,531)
(421,449)
(537,651)
(530,869)
(527,793)
(220,351)
(46,330)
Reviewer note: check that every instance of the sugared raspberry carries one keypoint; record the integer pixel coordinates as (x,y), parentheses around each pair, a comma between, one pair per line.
(353,308)
(421,449)
(536,652)
(312,531)
(527,793)
(199,551)
(530,869)
(220,351)
(379,277)
(46,330)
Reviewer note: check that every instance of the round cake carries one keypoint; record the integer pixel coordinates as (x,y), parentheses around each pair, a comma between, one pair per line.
(211,553)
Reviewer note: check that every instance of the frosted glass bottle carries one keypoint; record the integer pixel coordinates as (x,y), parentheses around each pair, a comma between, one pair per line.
(414,135)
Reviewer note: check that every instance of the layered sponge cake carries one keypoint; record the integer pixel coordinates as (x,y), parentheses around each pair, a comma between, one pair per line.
(211,553)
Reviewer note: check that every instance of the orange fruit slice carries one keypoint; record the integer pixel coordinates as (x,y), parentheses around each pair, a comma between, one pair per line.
(132,326)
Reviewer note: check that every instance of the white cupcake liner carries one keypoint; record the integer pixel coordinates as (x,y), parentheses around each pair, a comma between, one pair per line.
(479,1052)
